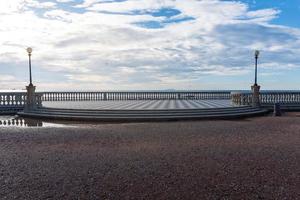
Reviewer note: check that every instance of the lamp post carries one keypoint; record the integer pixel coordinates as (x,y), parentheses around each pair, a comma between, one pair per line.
(256,60)
(31,97)
(29,51)
(256,88)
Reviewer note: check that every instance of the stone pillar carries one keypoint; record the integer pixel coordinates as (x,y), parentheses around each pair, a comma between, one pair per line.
(255,98)
(31,100)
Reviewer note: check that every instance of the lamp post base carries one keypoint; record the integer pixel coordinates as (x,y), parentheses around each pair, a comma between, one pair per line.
(255,97)
(31,100)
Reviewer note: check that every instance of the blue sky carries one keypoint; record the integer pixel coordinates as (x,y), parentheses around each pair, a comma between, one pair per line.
(149,44)
(289,10)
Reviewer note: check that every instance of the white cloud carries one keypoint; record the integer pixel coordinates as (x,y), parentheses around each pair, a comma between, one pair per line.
(89,78)
(65,1)
(12,6)
(37,4)
(7,78)
(100,44)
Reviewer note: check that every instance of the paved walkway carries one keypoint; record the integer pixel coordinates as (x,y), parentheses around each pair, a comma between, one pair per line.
(257,158)
(140,104)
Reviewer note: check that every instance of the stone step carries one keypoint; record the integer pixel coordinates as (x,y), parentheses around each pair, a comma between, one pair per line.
(10,110)
(144,117)
(165,113)
(181,111)
(245,108)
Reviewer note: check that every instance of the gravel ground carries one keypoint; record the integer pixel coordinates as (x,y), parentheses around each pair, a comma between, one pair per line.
(256,158)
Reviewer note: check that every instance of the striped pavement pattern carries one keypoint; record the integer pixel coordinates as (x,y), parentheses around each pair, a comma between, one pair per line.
(140,104)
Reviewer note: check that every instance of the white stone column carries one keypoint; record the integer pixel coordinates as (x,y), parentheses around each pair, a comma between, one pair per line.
(255,98)
(30,98)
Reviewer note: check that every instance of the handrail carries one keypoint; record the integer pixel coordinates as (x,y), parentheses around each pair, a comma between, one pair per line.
(266,97)
(12,99)
(102,96)
(18,99)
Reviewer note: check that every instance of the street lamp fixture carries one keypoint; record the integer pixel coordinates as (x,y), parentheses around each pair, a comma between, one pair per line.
(29,51)
(256,60)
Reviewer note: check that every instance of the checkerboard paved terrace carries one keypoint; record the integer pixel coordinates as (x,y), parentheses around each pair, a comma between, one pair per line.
(140,104)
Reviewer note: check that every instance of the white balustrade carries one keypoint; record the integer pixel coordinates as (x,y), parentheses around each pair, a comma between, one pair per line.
(12,99)
(118,96)
(284,97)
(15,100)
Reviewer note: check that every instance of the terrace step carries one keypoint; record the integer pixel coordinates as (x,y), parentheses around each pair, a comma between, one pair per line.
(141,110)
(145,112)
(124,115)
(8,110)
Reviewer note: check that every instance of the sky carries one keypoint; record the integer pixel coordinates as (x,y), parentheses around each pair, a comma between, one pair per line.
(149,44)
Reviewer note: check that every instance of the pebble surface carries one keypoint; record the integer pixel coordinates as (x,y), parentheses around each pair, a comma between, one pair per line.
(257,158)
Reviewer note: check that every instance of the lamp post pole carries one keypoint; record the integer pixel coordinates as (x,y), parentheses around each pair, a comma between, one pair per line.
(255,88)
(256,61)
(29,51)
(31,97)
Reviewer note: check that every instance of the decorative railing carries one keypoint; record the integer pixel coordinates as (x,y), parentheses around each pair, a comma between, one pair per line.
(280,97)
(241,98)
(38,99)
(17,99)
(12,99)
(117,96)
(283,97)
